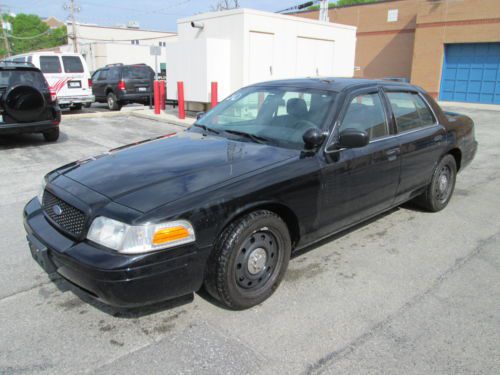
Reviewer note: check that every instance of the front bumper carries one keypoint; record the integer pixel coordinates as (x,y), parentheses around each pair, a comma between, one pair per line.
(113,278)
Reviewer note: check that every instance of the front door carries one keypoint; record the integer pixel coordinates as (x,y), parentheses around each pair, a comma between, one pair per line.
(361,182)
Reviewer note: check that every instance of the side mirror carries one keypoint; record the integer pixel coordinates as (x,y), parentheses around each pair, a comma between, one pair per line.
(200,115)
(313,138)
(353,138)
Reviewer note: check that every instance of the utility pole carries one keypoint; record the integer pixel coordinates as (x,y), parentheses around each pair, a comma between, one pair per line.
(6,41)
(72,10)
(323,11)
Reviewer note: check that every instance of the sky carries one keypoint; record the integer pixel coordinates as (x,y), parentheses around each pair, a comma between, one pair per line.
(154,15)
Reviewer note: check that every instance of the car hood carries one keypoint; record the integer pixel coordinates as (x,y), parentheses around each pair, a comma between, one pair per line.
(147,175)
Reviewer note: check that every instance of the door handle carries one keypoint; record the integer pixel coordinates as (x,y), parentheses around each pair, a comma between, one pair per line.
(392,154)
(438,138)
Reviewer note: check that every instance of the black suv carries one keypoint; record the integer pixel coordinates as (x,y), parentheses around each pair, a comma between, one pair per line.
(119,84)
(26,102)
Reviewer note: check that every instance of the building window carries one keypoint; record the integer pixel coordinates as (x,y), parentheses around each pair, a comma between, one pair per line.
(135,41)
(162,44)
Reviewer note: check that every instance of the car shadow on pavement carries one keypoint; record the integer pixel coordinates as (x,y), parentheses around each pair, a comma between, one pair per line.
(10,141)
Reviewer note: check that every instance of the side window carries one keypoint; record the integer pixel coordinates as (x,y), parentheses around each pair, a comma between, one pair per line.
(114,74)
(103,75)
(366,112)
(423,110)
(95,76)
(410,111)
(50,64)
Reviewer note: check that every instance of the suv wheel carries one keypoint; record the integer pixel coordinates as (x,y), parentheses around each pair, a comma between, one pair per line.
(249,260)
(51,135)
(113,104)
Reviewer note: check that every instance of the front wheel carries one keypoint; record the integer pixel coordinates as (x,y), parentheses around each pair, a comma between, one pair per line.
(438,193)
(249,260)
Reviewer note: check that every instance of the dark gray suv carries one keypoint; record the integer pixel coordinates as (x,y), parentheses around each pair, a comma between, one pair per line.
(118,84)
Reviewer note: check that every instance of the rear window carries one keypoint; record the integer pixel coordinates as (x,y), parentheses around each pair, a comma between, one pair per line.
(137,72)
(72,64)
(9,78)
(50,64)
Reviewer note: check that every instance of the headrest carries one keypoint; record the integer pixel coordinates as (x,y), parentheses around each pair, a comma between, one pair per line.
(296,107)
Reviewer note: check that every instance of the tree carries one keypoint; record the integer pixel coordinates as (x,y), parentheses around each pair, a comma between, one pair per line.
(225,5)
(30,33)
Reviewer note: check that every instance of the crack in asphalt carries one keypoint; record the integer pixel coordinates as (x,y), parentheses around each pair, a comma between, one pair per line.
(321,364)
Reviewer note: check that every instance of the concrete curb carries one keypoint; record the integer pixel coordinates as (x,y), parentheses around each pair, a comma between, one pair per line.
(186,123)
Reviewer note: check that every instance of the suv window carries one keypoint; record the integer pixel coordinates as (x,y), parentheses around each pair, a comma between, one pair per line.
(410,111)
(72,64)
(114,74)
(103,74)
(9,78)
(137,72)
(366,112)
(50,64)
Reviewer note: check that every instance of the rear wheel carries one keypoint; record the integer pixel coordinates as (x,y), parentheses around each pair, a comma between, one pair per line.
(51,135)
(87,105)
(249,261)
(438,193)
(113,103)
(76,107)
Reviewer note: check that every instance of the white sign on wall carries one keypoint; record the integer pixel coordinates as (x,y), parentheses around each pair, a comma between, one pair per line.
(392,15)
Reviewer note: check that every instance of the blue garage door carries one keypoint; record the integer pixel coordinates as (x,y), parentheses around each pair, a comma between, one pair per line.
(471,73)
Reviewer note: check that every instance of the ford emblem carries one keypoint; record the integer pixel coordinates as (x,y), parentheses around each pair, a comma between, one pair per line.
(57,209)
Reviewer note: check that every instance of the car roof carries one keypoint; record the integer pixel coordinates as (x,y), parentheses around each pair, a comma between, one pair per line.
(336,84)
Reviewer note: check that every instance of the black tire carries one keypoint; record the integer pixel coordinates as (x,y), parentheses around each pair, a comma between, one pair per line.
(113,103)
(76,107)
(438,193)
(249,260)
(51,135)
(87,105)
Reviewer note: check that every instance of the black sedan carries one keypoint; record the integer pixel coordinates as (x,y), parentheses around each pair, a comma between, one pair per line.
(273,168)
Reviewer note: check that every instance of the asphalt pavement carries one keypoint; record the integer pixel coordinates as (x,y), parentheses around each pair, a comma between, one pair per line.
(406,293)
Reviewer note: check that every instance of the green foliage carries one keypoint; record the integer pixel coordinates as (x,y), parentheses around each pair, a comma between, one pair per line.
(341,3)
(30,33)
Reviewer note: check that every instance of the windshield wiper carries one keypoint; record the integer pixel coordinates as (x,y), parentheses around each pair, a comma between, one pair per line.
(206,128)
(253,137)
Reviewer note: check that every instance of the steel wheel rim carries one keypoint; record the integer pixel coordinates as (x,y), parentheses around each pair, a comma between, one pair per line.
(110,102)
(443,184)
(257,260)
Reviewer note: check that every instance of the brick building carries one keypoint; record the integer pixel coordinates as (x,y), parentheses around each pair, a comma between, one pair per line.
(449,47)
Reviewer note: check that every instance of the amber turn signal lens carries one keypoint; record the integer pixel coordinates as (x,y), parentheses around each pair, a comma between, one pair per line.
(170,234)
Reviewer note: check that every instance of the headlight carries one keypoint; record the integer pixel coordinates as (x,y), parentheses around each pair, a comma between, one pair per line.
(41,189)
(135,239)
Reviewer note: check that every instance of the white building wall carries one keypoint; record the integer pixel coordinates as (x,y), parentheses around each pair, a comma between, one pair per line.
(249,31)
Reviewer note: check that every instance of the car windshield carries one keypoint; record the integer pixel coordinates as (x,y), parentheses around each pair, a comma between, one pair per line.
(278,115)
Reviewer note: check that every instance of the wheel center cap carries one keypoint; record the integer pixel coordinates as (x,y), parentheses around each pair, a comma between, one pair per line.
(257,260)
(443,182)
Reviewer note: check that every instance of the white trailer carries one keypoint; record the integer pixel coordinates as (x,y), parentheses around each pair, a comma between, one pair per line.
(238,47)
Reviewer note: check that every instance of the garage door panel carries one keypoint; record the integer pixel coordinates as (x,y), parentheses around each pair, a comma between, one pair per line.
(471,73)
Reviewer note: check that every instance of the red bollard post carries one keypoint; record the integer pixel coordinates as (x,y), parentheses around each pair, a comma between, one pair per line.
(162,95)
(214,95)
(180,100)
(157,97)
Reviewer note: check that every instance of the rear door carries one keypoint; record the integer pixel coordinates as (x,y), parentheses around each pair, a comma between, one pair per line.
(51,67)
(76,77)
(138,79)
(421,138)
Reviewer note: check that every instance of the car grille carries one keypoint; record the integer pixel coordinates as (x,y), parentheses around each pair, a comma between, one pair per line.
(67,217)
